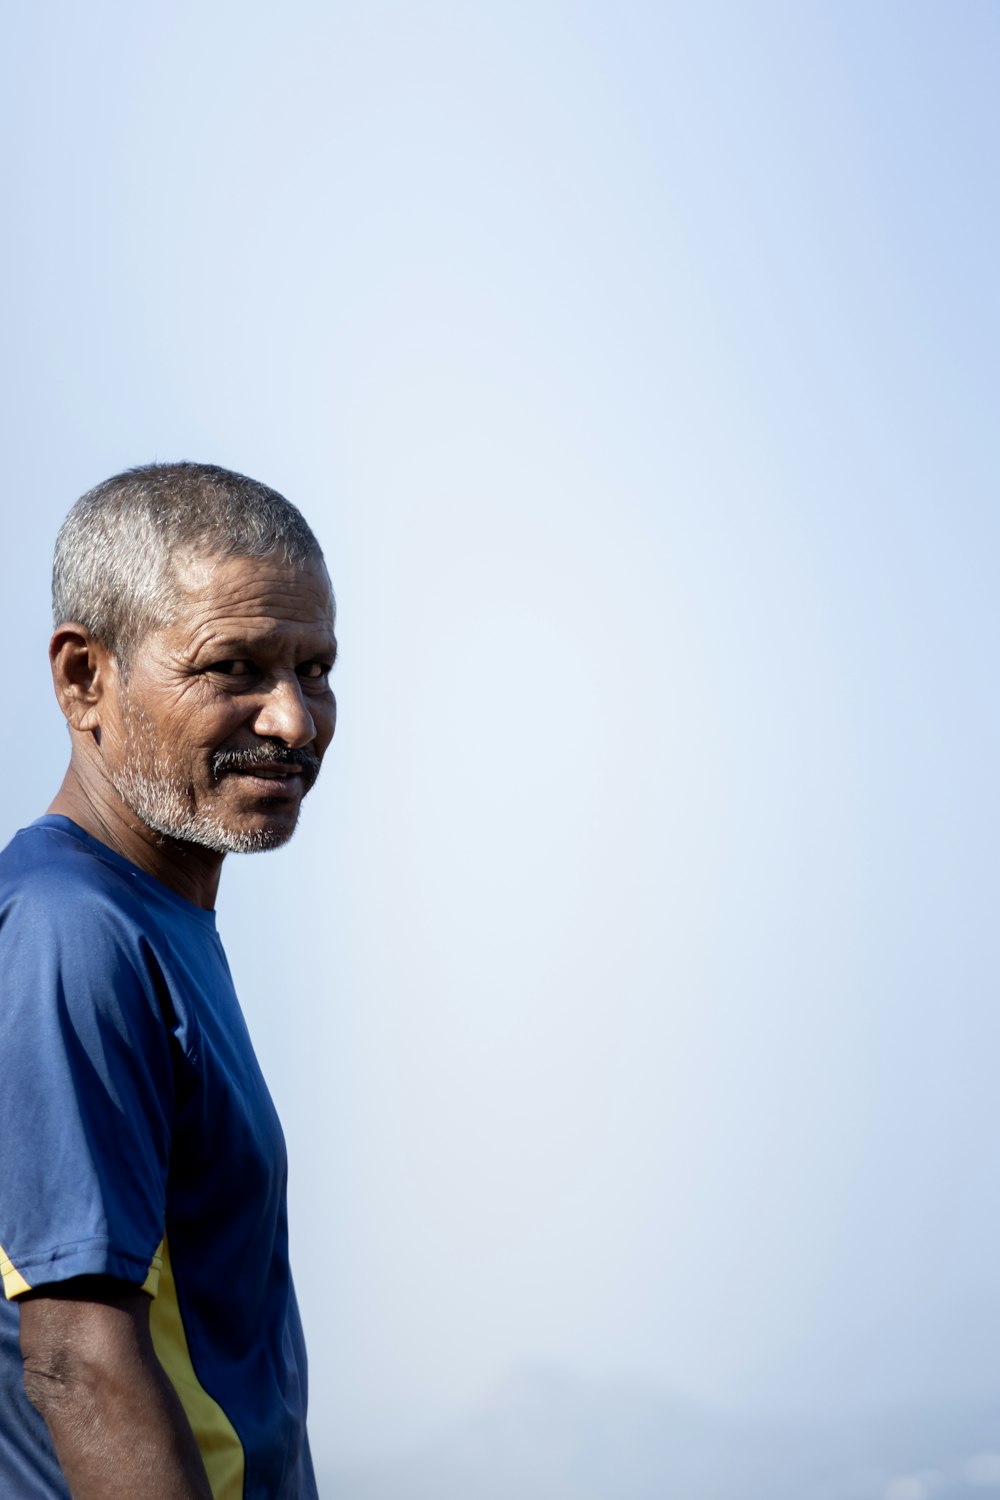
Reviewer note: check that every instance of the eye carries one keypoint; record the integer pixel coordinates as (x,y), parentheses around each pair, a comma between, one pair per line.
(314,671)
(238,667)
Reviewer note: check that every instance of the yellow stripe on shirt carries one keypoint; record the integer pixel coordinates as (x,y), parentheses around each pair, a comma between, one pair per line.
(14,1283)
(217,1438)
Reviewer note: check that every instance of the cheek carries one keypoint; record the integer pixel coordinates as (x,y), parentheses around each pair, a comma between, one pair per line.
(326,723)
(211,729)
(180,753)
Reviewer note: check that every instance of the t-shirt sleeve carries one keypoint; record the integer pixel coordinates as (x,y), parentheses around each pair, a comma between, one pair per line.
(86,1094)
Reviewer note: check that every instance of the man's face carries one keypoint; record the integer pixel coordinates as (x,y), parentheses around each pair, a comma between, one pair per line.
(218,731)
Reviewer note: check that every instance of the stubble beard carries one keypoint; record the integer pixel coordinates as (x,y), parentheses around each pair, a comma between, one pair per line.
(165,806)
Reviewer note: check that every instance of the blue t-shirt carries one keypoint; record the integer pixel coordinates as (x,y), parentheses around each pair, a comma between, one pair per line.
(138,1140)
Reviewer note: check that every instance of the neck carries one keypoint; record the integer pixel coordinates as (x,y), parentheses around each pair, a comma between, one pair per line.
(188,869)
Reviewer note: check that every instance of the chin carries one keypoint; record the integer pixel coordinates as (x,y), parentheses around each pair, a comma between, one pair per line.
(228,838)
(172,811)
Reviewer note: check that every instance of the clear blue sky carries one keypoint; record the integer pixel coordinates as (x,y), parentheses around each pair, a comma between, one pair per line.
(629,994)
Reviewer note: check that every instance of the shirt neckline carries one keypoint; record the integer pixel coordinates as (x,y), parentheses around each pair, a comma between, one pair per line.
(59,823)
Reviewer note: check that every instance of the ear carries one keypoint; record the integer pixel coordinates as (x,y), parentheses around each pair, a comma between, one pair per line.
(82,669)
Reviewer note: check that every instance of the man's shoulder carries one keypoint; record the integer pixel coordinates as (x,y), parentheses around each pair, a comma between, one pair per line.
(52,873)
(73,928)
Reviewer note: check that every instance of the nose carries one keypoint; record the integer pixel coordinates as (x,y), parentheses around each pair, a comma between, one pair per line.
(284,715)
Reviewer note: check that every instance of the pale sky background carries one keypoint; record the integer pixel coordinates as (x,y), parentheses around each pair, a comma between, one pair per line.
(629,993)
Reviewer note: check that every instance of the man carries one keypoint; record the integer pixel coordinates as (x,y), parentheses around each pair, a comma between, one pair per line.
(150,1347)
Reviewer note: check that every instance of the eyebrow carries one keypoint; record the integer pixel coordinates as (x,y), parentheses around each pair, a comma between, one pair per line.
(233,648)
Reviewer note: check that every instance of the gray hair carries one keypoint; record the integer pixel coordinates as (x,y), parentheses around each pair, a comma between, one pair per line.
(113,569)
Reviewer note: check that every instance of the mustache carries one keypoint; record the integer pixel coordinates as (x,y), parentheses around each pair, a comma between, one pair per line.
(265,753)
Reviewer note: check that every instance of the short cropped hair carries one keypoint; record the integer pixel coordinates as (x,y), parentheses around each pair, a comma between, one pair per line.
(114,570)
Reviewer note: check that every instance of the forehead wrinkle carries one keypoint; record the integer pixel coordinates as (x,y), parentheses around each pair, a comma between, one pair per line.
(265,586)
(263,600)
(258,611)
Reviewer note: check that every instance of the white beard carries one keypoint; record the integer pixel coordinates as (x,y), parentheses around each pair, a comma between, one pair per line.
(164,804)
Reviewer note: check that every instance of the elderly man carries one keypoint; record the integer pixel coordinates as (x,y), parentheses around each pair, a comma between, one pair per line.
(150,1346)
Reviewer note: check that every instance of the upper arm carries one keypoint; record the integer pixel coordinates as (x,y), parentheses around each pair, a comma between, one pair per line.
(116,1423)
(82,1333)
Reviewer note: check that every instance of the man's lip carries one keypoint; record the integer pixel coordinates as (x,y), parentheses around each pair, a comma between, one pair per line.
(283,783)
(268,772)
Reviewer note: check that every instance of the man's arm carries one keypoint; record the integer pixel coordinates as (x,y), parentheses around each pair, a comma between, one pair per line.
(118,1429)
